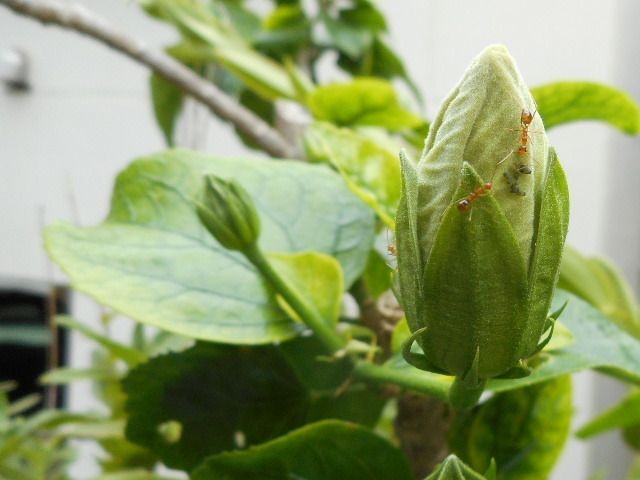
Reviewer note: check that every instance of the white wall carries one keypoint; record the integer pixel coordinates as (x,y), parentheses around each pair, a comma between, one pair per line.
(89,114)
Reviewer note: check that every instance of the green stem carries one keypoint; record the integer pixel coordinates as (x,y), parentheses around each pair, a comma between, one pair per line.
(305,311)
(362,369)
(418,383)
(463,396)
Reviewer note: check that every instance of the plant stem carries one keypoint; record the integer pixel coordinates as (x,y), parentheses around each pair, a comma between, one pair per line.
(464,397)
(418,383)
(333,342)
(307,312)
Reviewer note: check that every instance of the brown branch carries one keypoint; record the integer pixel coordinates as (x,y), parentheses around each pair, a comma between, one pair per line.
(83,21)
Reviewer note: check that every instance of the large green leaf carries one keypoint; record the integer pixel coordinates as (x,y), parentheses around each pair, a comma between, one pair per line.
(212,395)
(523,430)
(188,405)
(325,450)
(153,261)
(564,102)
(599,344)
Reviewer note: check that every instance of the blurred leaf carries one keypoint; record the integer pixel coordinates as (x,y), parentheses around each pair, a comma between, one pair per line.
(136,474)
(371,171)
(220,43)
(61,376)
(216,394)
(167,103)
(258,105)
(564,102)
(130,355)
(320,451)
(562,337)
(350,38)
(634,471)
(523,430)
(286,31)
(378,276)
(624,414)
(25,335)
(380,61)
(364,101)
(23,404)
(599,282)
(245,23)
(452,468)
(314,277)
(153,261)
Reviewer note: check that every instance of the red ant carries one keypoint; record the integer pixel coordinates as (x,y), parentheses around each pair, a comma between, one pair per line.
(466,203)
(526,118)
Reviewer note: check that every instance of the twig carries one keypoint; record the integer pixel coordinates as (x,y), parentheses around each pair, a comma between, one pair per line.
(81,20)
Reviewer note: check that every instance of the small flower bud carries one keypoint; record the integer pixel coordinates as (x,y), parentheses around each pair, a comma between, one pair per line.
(480,228)
(228,213)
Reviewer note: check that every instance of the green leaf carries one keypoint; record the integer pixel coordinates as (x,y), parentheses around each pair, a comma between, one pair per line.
(287,30)
(321,451)
(245,22)
(452,468)
(564,102)
(349,38)
(217,397)
(136,474)
(61,376)
(364,101)
(325,378)
(153,261)
(130,355)
(378,276)
(25,335)
(523,430)
(263,75)
(599,282)
(370,171)
(624,414)
(382,62)
(167,103)
(315,277)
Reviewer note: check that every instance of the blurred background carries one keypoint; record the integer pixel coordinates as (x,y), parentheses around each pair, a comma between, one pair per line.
(88,113)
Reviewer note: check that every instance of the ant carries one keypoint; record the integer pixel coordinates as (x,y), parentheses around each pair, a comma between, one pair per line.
(465,204)
(526,118)
(391,251)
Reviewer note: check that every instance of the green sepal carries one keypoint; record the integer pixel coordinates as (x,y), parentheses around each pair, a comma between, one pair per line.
(415,359)
(407,245)
(550,233)
(520,370)
(464,315)
(465,392)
